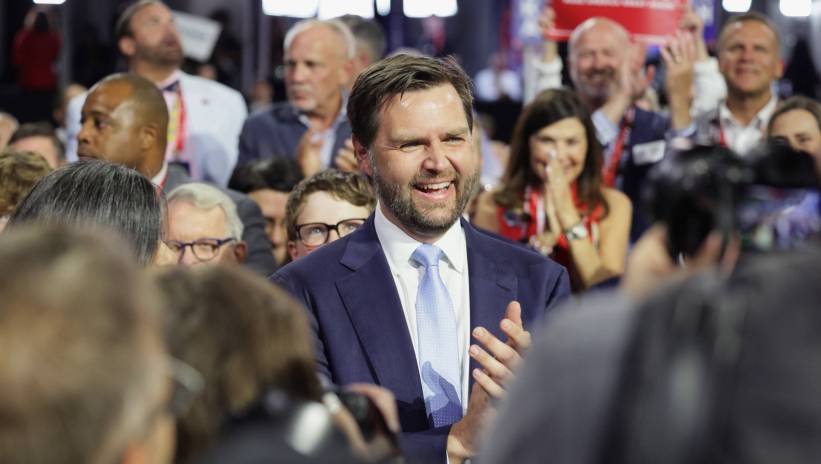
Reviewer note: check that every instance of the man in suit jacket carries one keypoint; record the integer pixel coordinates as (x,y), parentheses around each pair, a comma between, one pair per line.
(369,296)
(205,117)
(311,126)
(606,69)
(125,121)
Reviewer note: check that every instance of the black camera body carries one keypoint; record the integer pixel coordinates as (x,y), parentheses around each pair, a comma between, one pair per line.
(704,189)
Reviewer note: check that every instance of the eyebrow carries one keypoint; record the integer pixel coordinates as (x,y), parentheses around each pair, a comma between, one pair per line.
(402,139)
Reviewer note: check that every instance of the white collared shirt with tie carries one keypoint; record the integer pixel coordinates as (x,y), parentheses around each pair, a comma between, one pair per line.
(398,247)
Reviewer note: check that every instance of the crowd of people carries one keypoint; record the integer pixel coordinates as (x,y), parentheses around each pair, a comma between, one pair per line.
(356,274)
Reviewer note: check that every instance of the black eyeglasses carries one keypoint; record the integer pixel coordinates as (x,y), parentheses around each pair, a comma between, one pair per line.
(204,249)
(317,233)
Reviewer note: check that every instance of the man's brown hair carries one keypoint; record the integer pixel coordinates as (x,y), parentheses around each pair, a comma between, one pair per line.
(797,102)
(19,171)
(346,186)
(123,26)
(245,336)
(744,17)
(396,75)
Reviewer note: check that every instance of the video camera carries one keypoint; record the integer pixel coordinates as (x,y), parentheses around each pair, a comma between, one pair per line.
(769,198)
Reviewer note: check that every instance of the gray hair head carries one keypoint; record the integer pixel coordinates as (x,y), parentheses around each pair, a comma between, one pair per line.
(205,197)
(335,25)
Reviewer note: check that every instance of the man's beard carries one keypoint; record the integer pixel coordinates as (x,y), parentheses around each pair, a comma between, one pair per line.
(598,94)
(161,55)
(399,202)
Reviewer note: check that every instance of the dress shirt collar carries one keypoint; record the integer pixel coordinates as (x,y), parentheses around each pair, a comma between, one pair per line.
(161,177)
(761,119)
(341,116)
(399,247)
(171,82)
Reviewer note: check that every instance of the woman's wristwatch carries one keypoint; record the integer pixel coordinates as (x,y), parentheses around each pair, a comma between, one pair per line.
(576,232)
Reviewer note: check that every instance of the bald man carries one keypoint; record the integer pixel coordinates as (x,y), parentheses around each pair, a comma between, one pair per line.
(125,121)
(206,116)
(311,126)
(606,69)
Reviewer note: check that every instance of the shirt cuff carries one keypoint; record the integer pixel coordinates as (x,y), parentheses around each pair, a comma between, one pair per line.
(551,67)
(708,66)
(606,130)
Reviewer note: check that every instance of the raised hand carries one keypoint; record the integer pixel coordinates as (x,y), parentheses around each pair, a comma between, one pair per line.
(308,153)
(679,56)
(346,158)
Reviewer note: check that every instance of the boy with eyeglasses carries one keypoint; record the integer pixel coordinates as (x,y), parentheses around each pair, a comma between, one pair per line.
(324,207)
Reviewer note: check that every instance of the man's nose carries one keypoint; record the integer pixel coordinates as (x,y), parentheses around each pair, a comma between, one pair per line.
(298,72)
(84,135)
(187,257)
(436,159)
(278,234)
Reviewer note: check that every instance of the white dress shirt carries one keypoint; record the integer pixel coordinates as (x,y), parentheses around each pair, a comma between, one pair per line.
(453,269)
(742,139)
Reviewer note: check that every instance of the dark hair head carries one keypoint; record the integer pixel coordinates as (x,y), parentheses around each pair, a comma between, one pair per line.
(244,335)
(744,17)
(123,26)
(41,23)
(369,33)
(19,172)
(396,75)
(39,129)
(276,173)
(346,186)
(83,349)
(550,107)
(97,194)
(798,102)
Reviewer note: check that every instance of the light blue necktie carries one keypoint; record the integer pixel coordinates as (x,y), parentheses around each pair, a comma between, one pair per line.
(436,336)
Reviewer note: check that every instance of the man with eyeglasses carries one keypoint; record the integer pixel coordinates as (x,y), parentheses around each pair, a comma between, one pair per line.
(325,207)
(203,226)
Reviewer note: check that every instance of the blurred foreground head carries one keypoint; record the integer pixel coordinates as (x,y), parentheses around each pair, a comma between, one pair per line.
(244,335)
(84,371)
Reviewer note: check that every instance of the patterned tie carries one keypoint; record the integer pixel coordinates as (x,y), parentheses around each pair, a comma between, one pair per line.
(436,335)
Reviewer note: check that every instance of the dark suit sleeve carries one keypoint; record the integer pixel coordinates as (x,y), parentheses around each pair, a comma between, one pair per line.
(320,360)
(260,256)
(559,292)
(247,149)
(429,446)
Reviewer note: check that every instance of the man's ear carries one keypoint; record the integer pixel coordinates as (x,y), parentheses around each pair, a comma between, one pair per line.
(240,252)
(149,133)
(128,46)
(346,72)
(780,69)
(362,158)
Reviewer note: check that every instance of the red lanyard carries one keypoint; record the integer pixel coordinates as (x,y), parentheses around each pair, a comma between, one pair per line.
(722,138)
(612,169)
(180,142)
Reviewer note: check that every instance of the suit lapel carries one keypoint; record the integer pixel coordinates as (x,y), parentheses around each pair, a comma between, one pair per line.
(491,289)
(370,297)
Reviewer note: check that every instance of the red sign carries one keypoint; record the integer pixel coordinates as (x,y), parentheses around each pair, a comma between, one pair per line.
(648,20)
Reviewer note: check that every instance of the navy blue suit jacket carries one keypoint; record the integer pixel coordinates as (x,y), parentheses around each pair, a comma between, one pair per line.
(647,127)
(359,325)
(276,131)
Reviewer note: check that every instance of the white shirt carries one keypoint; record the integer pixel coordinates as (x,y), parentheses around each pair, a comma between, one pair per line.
(161,177)
(453,269)
(742,139)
